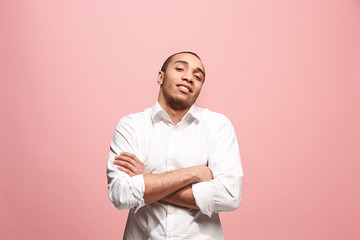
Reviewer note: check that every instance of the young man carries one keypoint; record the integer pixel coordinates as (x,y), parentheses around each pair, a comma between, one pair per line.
(175,165)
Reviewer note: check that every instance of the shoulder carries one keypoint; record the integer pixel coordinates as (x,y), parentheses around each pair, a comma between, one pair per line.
(219,129)
(134,119)
(208,116)
(216,124)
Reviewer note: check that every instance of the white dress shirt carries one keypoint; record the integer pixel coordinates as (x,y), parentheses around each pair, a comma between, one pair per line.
(202,137)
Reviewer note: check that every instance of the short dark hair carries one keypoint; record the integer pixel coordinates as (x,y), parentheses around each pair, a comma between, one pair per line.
(166,63)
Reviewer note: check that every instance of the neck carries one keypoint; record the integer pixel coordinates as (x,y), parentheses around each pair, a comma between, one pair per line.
(175,114)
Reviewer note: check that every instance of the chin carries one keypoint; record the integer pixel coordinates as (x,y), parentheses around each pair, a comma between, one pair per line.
(179,104)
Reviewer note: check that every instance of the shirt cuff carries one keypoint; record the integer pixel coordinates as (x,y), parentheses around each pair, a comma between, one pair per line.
(138,190)
(204,197)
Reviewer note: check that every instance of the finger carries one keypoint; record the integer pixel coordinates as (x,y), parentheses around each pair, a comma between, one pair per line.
(127,171)
(126,153)
(124,158)
(128,159)
(117,162)
(126,165)
(122,154)
(131,156)
(127,156)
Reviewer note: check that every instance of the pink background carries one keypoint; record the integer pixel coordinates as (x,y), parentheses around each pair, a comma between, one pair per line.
(287,74)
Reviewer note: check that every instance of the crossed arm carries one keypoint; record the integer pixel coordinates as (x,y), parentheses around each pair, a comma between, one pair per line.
(173,187)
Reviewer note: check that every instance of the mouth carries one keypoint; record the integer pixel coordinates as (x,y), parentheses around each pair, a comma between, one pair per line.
(184,88)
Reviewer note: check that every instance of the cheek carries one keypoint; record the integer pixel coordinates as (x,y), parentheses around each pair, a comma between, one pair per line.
(168,86)
(198,88)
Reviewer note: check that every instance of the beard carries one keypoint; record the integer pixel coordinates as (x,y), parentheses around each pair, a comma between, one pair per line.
(175,102)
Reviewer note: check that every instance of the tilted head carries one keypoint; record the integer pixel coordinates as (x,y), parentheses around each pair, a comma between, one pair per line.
(166,63)
(181,78)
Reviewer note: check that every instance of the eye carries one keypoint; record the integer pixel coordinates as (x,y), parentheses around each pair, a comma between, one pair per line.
(197,77)
(179,69)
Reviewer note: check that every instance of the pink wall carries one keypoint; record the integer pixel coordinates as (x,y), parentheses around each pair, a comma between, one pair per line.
(287,74)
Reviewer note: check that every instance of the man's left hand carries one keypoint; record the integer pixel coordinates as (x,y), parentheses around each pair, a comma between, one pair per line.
(130,164)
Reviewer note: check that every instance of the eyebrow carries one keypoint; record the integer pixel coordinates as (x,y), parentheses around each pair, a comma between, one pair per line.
(186,63)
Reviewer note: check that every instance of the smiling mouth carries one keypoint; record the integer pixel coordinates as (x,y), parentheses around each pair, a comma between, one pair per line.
(184,89)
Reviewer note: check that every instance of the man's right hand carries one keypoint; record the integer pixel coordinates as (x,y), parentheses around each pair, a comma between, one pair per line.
(202,174)
(130,164)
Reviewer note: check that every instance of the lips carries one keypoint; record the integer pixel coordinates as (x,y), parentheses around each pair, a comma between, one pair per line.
(184,88)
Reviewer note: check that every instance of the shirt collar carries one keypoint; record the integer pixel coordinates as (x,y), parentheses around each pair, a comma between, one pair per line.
(158,113)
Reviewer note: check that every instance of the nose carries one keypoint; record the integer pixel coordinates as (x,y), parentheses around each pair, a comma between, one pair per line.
(188,77)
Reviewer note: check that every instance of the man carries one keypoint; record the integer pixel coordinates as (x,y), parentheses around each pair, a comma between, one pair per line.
(175,165)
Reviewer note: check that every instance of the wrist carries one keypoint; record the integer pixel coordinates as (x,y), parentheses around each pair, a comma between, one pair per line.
(192,175)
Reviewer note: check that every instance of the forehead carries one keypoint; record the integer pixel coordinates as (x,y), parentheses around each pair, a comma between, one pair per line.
(190,58)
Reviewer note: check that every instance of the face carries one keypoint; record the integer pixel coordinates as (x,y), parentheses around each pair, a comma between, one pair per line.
(182,81)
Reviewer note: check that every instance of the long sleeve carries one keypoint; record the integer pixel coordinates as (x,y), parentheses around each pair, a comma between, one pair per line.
(125,192)
(223,193)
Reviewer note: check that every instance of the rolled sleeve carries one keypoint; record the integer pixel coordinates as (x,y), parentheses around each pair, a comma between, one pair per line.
(125,192)
(223,193)
(138,190)
(204,197)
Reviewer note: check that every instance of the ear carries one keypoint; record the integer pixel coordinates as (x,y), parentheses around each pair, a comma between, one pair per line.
(160,78)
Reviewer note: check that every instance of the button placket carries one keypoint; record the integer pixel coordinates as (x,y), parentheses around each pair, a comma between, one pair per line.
(170,159)
(170,149)
(169,167)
